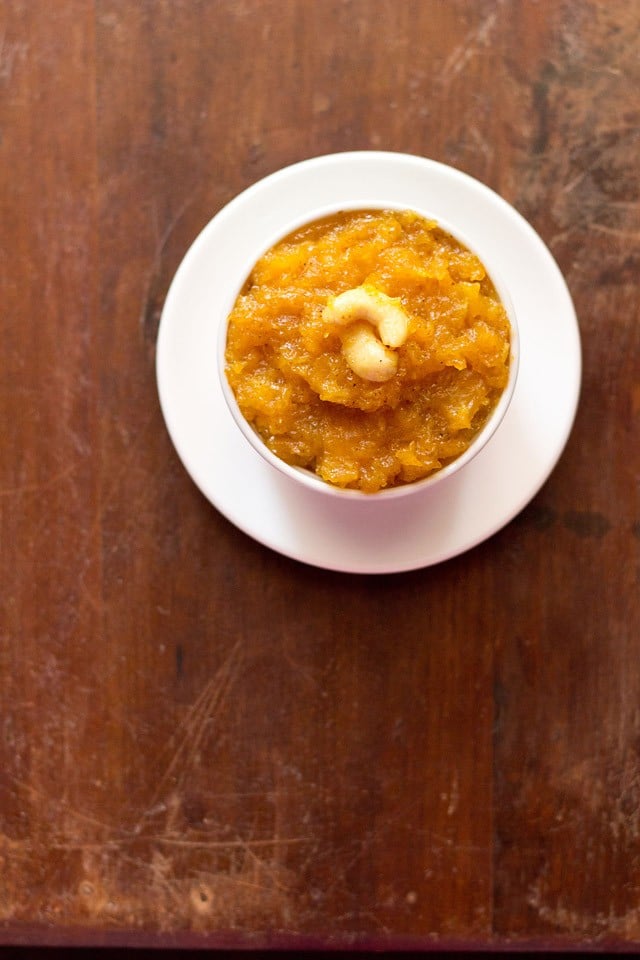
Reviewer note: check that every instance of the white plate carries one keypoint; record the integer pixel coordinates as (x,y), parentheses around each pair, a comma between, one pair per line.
(354,536)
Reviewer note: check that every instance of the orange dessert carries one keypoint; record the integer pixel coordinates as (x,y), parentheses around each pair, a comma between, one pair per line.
(369,347)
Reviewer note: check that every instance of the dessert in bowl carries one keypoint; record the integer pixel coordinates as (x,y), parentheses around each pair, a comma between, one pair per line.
(370,351)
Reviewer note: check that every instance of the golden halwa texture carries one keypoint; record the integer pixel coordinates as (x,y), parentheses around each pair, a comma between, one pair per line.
(285,364)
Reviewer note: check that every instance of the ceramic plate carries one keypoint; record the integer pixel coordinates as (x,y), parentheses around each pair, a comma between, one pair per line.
(367,536)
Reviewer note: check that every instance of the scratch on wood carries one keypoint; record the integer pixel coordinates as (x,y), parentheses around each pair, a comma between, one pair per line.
(185,743)
(60,806)
(614,231)
(154,271)
(470,46)
(203,844)
(39,487)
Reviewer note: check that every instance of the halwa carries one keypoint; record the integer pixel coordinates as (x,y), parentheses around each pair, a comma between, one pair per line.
(369,347)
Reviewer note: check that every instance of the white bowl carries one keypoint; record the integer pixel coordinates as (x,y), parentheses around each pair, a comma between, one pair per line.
(306,477)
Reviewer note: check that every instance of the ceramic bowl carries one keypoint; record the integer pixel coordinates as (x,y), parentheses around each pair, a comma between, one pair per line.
(259,245)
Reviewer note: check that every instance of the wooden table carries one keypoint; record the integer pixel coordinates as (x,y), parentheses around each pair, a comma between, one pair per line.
(201,740)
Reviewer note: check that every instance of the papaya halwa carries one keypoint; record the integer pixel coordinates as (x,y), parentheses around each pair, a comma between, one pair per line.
(326,382)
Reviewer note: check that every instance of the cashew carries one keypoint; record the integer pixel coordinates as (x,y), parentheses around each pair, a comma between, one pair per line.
(367,303)
(369,357)
(366,355)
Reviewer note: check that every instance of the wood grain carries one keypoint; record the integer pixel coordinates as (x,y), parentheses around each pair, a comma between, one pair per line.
(202,741)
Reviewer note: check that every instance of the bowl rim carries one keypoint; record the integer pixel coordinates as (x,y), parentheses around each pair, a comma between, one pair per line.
(303,475)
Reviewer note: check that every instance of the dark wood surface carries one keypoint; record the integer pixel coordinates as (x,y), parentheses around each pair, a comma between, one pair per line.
(203,741)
